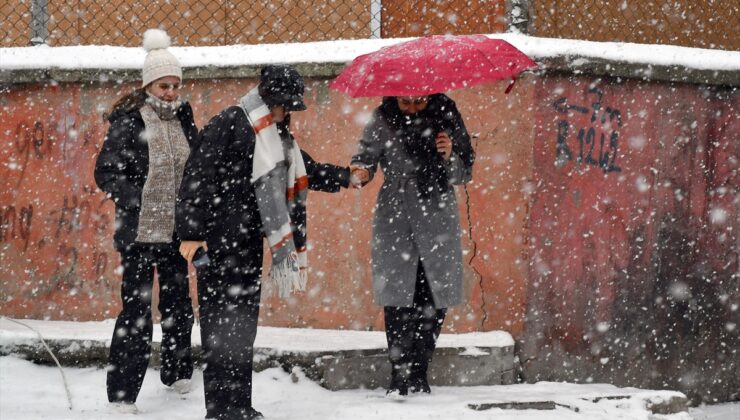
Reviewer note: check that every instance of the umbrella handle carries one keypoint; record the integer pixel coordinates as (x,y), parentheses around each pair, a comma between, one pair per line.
(511,86)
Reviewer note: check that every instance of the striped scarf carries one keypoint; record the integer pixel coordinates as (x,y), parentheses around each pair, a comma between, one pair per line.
(281,186)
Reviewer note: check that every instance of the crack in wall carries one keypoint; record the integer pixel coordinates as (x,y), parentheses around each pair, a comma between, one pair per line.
(484,318)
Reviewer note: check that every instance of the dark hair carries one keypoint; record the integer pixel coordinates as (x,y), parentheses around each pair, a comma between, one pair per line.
(133,100)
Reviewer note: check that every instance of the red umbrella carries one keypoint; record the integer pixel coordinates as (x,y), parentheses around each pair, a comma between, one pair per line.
(430,65)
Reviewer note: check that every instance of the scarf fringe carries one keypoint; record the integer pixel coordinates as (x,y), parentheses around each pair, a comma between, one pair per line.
(285,278)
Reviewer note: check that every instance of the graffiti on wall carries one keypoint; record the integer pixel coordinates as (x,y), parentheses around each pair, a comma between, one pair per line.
(53,222)
(595,142)
(16,224)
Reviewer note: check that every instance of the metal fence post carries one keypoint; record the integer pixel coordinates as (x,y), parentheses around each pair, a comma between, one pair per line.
(517,12)
(376,10)
(39,21)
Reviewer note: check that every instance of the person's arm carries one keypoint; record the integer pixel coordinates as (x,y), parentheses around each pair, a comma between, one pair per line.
(111,167)
(185,113)
(369,151)
(325,177)
(460,163)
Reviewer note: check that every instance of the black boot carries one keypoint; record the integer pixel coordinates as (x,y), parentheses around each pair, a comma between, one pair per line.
(242,414)
(399,386)
(419,384)
(397,389)
(255,415)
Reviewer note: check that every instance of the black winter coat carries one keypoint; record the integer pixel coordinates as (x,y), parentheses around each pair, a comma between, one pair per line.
(123,166)
(217,202)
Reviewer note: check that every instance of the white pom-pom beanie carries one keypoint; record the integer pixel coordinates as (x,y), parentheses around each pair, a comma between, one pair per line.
(159,62)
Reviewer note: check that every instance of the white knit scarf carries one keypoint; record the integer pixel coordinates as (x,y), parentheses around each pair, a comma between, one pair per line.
(281,186)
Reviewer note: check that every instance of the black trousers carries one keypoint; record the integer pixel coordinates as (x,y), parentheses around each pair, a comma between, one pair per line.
(412,334)
(130,347)
(229,299)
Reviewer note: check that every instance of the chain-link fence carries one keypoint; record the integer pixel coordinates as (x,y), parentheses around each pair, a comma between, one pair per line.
(697,23)
(227,22)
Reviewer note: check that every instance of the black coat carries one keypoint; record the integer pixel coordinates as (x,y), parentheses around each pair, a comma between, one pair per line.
(122,166)
(217,202)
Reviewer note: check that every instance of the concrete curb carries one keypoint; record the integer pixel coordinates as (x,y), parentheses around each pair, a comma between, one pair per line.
(337,360)
(334,359)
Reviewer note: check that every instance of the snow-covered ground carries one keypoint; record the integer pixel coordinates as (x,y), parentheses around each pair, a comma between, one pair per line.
(31,392)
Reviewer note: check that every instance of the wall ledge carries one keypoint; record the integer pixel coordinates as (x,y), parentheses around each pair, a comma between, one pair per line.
(103,64)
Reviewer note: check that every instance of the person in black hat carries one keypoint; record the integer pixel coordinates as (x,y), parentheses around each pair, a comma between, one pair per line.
(247,181)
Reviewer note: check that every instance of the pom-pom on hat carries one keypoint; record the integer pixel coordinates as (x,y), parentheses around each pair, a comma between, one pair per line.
(159,62)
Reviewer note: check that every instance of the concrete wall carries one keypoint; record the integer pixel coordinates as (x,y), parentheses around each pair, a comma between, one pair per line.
(607,261)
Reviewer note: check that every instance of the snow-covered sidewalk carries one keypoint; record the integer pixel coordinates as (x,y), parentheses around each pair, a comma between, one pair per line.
(29,391)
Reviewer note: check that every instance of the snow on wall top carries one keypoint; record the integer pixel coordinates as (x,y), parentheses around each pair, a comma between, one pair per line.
(109,57)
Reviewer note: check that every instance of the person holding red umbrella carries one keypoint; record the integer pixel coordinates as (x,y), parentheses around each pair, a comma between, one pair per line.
(423,148)
(417,136)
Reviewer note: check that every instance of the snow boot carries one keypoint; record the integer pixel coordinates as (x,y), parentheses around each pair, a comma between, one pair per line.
(398,388)
(419,384)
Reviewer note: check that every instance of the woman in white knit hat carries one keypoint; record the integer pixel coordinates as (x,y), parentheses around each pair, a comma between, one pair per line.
(140,167)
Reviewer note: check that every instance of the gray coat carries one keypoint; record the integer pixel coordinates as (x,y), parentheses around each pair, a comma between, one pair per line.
(410,226)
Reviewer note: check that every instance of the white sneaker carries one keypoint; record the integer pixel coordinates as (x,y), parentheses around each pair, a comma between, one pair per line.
(182,386)
(395,395)
(124,407)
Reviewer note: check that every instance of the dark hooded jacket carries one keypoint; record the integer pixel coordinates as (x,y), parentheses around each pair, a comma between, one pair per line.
(123,165)
(217,202)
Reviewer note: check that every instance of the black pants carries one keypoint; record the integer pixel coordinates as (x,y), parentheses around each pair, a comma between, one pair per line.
(229,298)
(412,334)
(131,343)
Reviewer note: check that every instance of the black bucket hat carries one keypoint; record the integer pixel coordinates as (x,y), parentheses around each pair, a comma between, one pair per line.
(282,85)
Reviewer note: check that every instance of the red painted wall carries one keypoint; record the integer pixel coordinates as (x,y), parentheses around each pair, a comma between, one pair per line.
(633,228)
(56,255)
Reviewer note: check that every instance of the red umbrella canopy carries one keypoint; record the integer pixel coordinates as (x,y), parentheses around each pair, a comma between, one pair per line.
(432,64)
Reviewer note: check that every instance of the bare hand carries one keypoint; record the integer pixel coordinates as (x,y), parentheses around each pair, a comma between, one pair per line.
(188,248)
(444,145)
(359,176)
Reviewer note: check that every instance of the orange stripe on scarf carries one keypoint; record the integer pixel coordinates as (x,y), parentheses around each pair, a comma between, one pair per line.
(262,123)
(300,185)
(282,241)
